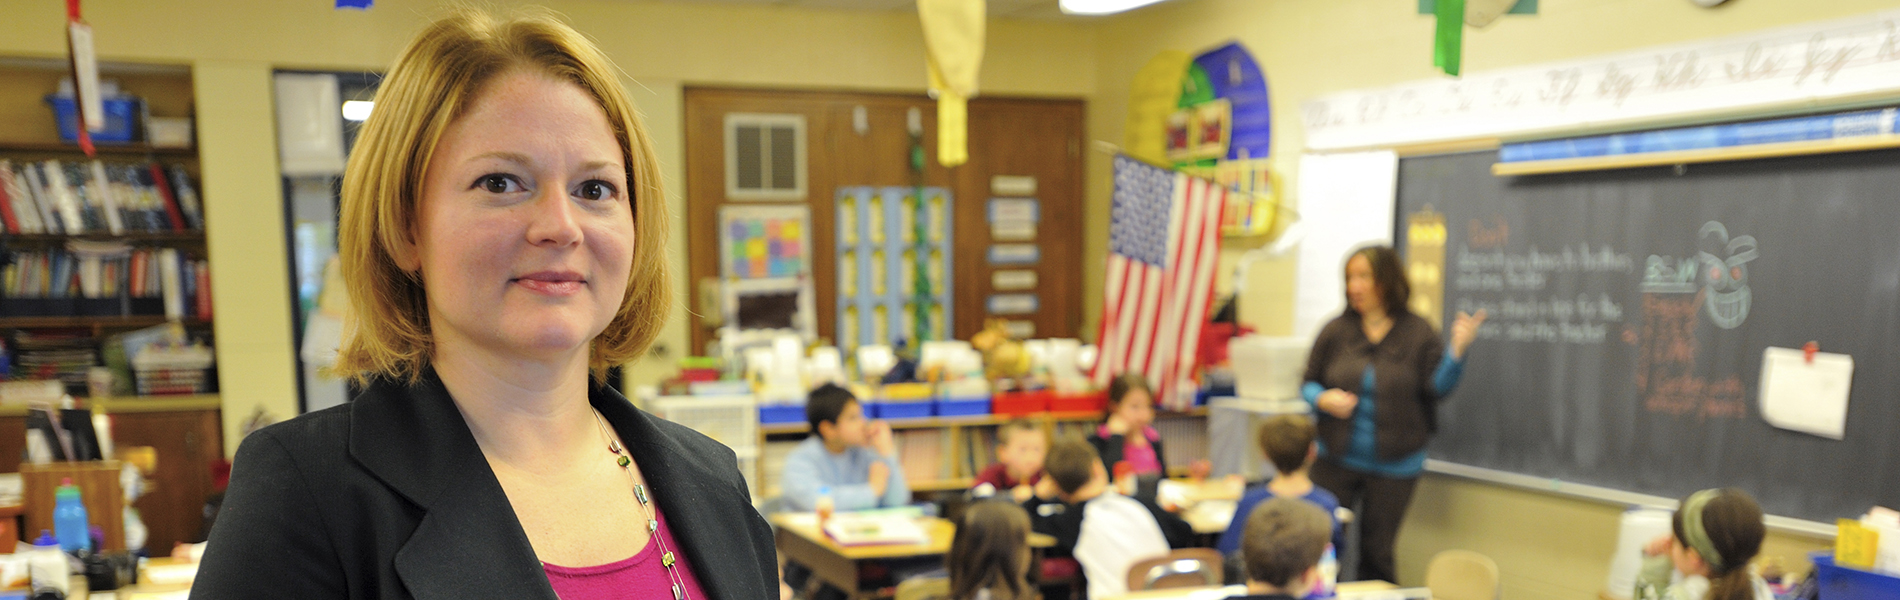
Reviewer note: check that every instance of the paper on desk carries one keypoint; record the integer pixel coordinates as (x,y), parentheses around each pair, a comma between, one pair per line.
(171,574)
(848,529)
(1809,398)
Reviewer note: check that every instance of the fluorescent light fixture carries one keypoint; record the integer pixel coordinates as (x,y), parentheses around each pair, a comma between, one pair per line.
(1101,7)
(357,110)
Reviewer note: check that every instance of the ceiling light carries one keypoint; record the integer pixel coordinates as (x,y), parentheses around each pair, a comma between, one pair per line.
(1101,7)
(357,110)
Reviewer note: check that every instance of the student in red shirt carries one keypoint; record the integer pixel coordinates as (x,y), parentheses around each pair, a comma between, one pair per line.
(1020,448)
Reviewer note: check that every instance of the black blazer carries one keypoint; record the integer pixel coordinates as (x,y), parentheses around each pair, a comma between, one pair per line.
(389,497)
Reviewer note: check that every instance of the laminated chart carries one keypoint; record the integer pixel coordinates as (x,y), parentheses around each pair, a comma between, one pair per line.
(893,265)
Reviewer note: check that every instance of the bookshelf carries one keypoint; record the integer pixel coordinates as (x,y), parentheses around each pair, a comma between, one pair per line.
(944,454)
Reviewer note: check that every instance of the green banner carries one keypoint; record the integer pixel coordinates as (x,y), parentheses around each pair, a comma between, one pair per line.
(1449,43)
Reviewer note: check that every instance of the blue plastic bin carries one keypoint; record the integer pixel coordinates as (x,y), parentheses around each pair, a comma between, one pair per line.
(1848,583)
(963,407)
(121,116)
(908,409)
(781,413)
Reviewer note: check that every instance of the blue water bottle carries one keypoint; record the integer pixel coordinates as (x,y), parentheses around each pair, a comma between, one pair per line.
(69,518)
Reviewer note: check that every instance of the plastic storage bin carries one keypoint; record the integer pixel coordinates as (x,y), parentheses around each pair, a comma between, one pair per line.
(781,413)
(121,115)
(963,407)
(1019,403)
(902,409)
(1084,402)
(1848,583)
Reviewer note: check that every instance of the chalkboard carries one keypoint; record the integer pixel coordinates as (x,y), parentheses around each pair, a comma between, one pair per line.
(1630,310)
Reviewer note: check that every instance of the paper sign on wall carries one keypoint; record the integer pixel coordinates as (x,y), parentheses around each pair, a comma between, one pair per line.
(1013,304)
(1012,280)
(1013,185)
(1807,397)
(1015,254)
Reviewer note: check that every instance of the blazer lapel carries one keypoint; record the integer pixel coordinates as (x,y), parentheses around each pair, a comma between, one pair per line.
(468,544)
(707,515)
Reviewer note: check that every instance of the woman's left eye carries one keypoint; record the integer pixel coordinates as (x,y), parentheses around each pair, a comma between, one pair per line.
(595,190)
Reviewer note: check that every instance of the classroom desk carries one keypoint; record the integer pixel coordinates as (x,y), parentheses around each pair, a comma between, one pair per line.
(1351,590)
(800,541)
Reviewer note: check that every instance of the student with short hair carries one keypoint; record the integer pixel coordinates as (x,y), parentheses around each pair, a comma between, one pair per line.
(1715,533)
(1021,447)
(989,557)
(1288,442)
(1284,541)
(847,457)
(1106,532)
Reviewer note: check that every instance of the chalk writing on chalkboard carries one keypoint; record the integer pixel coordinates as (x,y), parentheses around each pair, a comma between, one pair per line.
(1675,292)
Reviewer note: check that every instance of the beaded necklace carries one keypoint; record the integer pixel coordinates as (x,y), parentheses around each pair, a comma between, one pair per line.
(667,559)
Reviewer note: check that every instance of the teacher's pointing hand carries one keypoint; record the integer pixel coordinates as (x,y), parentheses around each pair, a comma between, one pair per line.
(1463,331)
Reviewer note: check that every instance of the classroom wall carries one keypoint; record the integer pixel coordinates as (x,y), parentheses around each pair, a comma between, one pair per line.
(1547,546)
(234,46)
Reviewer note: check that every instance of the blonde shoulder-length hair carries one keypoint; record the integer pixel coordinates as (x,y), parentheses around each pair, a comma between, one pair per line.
(434,82)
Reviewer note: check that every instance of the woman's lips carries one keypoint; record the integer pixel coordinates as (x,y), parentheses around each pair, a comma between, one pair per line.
(552,283)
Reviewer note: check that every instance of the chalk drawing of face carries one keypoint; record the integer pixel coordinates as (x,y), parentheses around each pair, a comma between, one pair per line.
(1725,280)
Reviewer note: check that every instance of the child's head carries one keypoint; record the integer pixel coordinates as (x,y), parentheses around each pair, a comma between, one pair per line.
(1130,398)
(1072,464)
(990,552)
(1021,446)
(1287,440)
(836,416)
(1283,542)
(1716,533)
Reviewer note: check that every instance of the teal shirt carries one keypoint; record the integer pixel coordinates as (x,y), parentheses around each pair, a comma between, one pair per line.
(1361,453)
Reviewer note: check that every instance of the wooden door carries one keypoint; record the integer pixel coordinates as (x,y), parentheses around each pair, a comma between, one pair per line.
(1041,138)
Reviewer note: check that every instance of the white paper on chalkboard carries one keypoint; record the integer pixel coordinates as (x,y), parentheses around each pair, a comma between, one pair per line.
(1809,398)
(1346,199)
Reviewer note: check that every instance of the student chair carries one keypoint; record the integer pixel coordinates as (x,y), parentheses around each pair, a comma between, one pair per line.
(1187,567)
(924,588)
(1462,575)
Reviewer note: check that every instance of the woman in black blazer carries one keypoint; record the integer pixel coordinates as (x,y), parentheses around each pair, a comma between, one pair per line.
(502,237)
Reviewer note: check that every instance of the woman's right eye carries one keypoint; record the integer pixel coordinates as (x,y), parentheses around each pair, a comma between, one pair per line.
(497,183)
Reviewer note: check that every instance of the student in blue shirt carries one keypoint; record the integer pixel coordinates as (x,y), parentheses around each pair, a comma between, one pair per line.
(1288,443)
(1285,539)
(851,459)
(1375,377)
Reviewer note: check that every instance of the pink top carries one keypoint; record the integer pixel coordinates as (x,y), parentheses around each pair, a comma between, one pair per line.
(640,576)
(1142,458)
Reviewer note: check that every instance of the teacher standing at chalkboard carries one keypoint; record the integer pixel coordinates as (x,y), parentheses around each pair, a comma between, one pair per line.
(1375,376)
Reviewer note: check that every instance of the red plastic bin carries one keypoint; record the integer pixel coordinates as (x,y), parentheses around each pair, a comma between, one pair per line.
(1087,401)
(1019,403)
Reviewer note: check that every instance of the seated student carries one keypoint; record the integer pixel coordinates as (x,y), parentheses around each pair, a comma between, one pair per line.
(1288,442)
(989,556)
(851,459)
(1127,434)
(1020,448)
(1106,532)
(1716,533)
(1284,541)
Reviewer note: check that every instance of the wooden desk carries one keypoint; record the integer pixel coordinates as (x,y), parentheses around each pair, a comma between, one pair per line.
(800,540)
(1346,591)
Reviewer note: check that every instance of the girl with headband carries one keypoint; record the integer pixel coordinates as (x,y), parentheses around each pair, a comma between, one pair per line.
(1716,533)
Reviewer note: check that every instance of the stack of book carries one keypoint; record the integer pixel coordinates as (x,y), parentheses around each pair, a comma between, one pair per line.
(65,357)
(71,198)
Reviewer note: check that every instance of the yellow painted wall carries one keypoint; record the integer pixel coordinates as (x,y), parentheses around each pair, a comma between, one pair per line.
(234,46)
(1547,546)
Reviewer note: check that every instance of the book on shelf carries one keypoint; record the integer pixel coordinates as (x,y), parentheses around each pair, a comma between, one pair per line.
(97,196)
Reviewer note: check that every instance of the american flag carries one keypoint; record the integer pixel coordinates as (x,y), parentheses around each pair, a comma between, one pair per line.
(1163,243)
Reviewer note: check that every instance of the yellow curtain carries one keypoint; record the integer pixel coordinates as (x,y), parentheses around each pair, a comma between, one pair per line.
(953,44)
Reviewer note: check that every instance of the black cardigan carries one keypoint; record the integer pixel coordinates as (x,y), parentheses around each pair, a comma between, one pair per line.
(389,497)
(1406,405)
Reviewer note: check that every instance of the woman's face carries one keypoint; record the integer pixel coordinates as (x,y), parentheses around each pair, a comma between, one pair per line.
(1361,291)
(525,230)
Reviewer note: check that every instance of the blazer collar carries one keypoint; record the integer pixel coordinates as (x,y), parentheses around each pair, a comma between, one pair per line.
(469,543)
